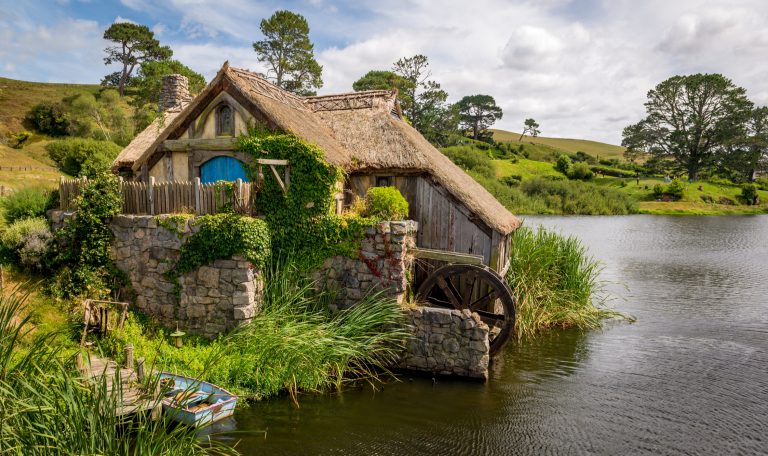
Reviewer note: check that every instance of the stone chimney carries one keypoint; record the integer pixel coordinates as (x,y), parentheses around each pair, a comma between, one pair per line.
(175,93)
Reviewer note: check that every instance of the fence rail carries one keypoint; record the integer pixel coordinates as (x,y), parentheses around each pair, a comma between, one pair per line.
(151,198)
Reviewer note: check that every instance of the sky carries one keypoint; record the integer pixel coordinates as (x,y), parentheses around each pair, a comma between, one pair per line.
(581,68)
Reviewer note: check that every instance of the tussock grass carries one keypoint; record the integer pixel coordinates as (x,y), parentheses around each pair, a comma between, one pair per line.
(47,407)
(555,282)
(295,344)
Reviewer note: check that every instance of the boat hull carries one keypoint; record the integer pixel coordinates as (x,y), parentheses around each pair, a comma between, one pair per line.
(202,403)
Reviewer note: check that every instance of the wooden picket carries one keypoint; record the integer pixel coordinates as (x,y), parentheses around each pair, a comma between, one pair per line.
(170,197)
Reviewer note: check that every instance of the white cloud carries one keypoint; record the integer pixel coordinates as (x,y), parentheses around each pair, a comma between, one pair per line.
(582,69)
(120,19)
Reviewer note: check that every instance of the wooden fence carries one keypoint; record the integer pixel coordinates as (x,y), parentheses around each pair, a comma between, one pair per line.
(150,198)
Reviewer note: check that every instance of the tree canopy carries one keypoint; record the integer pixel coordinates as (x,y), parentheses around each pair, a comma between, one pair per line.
(531,127)
(387,80)
(289,53)
(135,45)
(477,113)
(690,120)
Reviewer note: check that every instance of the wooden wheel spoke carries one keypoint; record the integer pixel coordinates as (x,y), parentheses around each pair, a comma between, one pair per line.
(439,302)
(449,292)
(490,316)
(484,300)
(468,290)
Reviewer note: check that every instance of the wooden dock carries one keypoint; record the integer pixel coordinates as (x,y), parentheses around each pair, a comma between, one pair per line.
(132,397)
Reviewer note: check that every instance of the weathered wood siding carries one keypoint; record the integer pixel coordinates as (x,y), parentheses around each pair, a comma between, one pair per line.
(444,222)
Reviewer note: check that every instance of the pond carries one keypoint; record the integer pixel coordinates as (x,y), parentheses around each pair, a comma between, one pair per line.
(689,377)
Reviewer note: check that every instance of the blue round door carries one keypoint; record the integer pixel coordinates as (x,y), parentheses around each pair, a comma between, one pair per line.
(222,168)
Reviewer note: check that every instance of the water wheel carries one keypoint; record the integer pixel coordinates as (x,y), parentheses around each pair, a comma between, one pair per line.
(477,288)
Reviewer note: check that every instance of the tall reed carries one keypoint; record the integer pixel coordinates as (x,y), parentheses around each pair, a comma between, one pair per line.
(555,283)
(48,407)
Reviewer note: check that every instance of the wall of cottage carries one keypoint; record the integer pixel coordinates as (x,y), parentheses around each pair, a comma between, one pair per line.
(212,300)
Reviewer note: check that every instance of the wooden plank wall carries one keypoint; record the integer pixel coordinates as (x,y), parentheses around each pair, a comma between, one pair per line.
(444,222)
(152,198)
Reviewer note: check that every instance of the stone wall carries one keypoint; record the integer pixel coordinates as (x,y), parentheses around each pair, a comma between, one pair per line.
(447,342)
(382,265)
(213,299)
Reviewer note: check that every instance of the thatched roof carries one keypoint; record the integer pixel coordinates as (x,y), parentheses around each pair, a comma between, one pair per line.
(357,131)
(378,139)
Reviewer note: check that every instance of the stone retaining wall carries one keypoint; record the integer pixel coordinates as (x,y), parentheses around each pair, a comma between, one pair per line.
(213,299)
(382,265)
(447,342)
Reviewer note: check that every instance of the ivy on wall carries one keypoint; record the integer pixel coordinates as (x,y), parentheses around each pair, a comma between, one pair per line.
(302,221)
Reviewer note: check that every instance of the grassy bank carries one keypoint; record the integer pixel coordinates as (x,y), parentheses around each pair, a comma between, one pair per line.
(595,148)
(293,345)
(556,283)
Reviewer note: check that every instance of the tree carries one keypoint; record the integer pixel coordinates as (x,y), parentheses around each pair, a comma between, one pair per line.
(387,80)
(289,53)
(531,127)
(49,118)
(105,113)
(749,153)
(136,44)
(690,120)
(478,112)
(428,111)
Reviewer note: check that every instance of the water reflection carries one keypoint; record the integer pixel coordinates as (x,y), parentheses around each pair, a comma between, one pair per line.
(689,377)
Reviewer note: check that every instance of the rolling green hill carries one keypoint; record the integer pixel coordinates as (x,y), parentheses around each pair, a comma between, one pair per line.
(18,97)
(595,148)
(40,174)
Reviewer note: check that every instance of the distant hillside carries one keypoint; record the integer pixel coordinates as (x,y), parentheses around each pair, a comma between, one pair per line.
(41,174)
(18,97)
(595,148)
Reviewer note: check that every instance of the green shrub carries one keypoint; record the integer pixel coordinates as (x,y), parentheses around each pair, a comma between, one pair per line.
(49,118)
(762,183)
(580,171)
(513,180)
(675,189)
(17,140)
(471,158)
(749,194)
(24,203)
(26,242)
(555,282)
(575,197)
(658,191)
(563,164)
(83,157)
(385,203)
(614,172)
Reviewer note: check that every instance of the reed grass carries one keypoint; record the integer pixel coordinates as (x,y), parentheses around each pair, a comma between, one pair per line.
(295,344)
(48,407)
(556,283)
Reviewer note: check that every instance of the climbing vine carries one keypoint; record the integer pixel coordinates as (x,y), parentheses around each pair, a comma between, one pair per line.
(83,260)
(301,220)
(221,236)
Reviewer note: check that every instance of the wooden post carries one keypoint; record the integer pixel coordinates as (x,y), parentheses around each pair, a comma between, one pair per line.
(122,195)
(197,196)
(140,369)
(129,356)
(287,177)
(2,278)
(238,198)
(150,195)
(62,194)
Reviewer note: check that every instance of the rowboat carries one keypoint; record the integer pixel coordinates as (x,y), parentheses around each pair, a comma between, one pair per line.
(194,402)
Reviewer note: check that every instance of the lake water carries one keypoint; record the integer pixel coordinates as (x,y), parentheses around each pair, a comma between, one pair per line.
(689,377)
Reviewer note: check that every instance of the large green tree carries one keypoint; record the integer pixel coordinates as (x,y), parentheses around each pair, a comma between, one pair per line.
(531,127)
(477,113)
(288,53)
(690,120)
(428,112)
(134,45)
(387,80)
(749,153)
